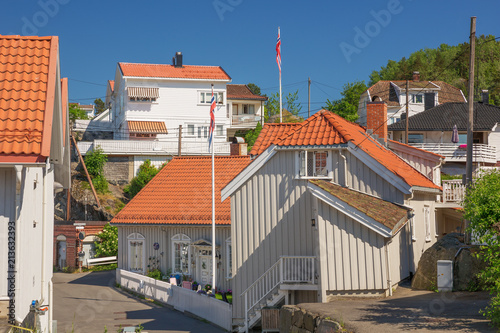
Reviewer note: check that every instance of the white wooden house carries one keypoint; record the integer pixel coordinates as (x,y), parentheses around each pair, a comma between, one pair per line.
(34,163)
(324,210)
(422,95)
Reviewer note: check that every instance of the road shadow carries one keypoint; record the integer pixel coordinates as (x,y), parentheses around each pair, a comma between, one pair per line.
(104,279)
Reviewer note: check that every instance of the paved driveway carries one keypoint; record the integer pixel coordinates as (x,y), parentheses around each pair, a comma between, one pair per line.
(88,302)
(409,310)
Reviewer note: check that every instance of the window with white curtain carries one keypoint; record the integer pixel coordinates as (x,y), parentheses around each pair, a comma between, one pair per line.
(136,253)
(181,252)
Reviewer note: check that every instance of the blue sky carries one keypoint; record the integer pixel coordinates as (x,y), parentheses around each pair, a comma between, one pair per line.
(240,36)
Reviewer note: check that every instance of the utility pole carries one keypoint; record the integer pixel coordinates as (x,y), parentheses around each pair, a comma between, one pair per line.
(407,114)
(470,125)
(180,141)
(308,97)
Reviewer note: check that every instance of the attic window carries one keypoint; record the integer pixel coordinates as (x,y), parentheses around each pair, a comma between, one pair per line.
(314,164)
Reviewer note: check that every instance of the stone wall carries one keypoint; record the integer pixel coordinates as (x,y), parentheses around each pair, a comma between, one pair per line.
(296,320)
(119,169)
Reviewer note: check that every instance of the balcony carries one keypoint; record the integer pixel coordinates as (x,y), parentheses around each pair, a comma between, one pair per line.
(453,191)
(245,120)
(482,153)
(163,147)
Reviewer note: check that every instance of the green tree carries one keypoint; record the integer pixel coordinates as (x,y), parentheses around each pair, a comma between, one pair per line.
(254,88)
(290,104)
(99,106)
(95,161)
(347,106)
(146,172)
(107,245)
(76,113)
(482,209)
(252,135)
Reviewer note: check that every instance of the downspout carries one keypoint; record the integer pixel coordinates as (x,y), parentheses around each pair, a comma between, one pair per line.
(345,167)
(387,259)
(17,251)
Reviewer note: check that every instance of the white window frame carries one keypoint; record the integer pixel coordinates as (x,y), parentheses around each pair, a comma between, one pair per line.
(205,97)
(219,130)
(427,223)
(302,158)
(183,239)
(414,98)
(191,130)
(202,132)
(247,107)
(137,238)
(413,231)
(229,259)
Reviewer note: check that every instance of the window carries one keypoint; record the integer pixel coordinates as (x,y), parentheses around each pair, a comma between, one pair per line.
(219,130)
(181,252)
(415,138)
(229,260)
(417,98)
(427,223)
(136,254)
(203,131)
(462,139)
(206,97)
(313,164)
(190,129)
(248,109)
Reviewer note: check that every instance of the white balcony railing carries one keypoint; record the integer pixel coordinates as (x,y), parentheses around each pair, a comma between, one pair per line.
(143,147)
(482,153)
(245,120)
(453,191)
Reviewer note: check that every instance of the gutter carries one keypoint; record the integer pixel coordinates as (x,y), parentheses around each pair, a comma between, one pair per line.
(17,251)
(387,259)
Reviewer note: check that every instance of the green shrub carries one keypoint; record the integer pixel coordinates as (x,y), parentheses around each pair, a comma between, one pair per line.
(145,174)
(155,274)
(107,246)
(94,161)
(100,184)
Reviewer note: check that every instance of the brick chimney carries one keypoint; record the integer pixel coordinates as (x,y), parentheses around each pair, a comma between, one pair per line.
(485,97)
(416,76)
(376,119)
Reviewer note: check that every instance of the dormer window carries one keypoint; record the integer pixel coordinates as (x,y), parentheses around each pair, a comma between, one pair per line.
(314,164)
(417,98)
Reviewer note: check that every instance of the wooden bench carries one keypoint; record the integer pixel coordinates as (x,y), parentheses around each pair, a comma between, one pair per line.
(101,261)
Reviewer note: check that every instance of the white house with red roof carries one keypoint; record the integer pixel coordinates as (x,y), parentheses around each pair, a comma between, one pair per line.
(34,164)
(324,210)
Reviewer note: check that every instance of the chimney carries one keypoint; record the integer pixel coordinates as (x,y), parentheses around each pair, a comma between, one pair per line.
(376,119)
(416,76)
(178,59)
(239,147)
(485,96)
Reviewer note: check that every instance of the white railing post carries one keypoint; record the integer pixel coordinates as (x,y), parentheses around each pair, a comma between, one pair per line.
(246,312)
(313,270)
(281,270)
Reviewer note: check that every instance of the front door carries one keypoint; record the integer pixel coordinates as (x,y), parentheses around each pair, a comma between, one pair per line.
(61,254)
(205,268)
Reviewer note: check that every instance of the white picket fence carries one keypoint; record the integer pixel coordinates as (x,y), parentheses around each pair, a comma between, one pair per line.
(185,300)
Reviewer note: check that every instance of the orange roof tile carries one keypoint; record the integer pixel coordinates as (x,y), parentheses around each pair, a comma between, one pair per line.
(111,85)
(328,128)
(269,133)
(170,71)
(28,68)
(181,193)
(147,127)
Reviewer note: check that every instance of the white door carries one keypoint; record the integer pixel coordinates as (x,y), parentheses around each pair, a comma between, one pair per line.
(61,251)
(205,269)
(89,250)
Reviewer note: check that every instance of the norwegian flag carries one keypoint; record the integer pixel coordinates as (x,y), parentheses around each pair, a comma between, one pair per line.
(278,51)
(212,119)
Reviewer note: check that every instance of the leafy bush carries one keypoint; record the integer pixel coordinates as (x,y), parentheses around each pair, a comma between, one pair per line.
(146,172)
(155,274)
(100,184)
(94,161)
(107,245)
(482,209)
(252,135)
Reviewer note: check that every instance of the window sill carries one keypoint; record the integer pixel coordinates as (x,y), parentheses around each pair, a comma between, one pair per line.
(314,177)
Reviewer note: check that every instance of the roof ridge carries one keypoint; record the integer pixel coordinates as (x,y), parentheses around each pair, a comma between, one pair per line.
(170,65)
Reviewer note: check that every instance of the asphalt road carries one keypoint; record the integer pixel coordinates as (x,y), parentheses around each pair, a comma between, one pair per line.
(89,302)
(409,310)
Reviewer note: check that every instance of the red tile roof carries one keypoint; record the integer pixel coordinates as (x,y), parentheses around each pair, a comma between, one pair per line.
(147,127)
(328,128)
(241,91)
(269,133)
(28,70)
(170,71)
(181,193)
(111,85)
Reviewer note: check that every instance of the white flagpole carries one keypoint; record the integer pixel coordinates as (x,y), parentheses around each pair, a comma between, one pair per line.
(281,101)
(213,209)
